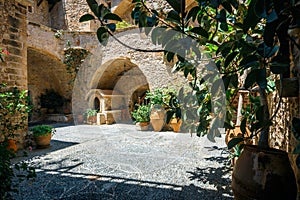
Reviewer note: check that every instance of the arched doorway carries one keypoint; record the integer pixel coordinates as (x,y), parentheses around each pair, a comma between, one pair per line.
(119,83)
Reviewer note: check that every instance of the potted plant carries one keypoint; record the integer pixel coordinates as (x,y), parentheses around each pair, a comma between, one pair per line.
(42,135)
(142,117)
(91,116)
(158,108)
(174,113)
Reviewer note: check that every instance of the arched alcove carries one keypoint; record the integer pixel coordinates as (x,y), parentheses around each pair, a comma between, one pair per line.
(46,73)
(96,103)
(118,84)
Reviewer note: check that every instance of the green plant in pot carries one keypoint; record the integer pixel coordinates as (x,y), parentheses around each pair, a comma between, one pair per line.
(42,135)
(91,116)
(142,117)
(245,41)
(158,104)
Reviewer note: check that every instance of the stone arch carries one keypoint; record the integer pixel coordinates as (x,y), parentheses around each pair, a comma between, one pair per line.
(45,71)
(117,83)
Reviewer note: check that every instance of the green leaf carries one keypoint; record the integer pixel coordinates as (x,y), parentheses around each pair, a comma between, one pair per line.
(251,79)
(234,141)
(173,16)
(156,35)
(249,60)
(112,16)
(224,26)
(102,35)
(86,17)
(243,125)
(111,27)
(176,4)
(230,58)
(227,6)
(170,56)
(94,7)
(251,18)
(225,46)
(193,13)
(222,16)
(200,31)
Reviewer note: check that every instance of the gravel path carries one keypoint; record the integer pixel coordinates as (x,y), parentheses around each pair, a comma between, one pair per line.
(118,162)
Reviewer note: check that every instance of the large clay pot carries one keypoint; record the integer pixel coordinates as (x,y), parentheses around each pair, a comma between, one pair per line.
(263,174)
(157,119)
(42,141)
(176,124)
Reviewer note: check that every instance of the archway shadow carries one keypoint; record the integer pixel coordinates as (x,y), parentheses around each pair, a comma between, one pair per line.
(65,184)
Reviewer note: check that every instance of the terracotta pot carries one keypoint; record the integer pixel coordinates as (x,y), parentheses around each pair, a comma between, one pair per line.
(142,126)
(92,119)
(42,141)
(12,145)
(263,174)
(157,119)
(176,124)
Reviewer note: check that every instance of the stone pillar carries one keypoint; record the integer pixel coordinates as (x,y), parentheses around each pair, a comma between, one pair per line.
(13,37)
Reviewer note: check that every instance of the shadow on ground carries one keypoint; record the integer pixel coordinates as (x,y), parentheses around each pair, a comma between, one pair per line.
(54,146)
(217,176)
(63,184)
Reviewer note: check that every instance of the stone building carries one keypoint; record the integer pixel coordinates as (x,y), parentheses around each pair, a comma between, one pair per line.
(39,34)
(45,40)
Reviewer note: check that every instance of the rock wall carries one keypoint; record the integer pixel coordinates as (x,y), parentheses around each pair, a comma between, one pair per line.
(281,136)
(74,9)
(40,13)
(13,37)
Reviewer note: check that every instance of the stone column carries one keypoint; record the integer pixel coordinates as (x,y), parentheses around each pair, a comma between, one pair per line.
(13,37)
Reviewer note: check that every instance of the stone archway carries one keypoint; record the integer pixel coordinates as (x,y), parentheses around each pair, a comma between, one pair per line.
(117,84)
(47,73)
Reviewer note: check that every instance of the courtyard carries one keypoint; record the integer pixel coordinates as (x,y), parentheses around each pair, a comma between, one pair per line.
(118,162)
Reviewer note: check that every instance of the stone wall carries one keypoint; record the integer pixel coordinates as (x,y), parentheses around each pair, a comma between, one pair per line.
(40,13)
(74,9)
(281,136)
(13,37)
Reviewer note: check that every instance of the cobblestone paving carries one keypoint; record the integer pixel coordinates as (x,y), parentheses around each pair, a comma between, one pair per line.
(118,162)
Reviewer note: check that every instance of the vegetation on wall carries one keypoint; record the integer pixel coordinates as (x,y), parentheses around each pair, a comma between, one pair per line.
(13,120)
(73,59)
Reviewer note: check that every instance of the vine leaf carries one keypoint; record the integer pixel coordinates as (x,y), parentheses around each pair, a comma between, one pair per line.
(86,17)
(234,141)
(102,35)
(200,31)
(112,16)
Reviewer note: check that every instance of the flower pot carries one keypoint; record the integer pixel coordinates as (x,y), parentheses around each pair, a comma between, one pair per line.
(142,126)
(157,119)
(42,141)
(263,174)
(12,145)
(176,124)
(92,119)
